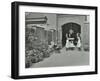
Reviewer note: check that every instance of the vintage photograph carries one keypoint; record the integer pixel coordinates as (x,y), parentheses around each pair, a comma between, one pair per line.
(50,40)
(54,40)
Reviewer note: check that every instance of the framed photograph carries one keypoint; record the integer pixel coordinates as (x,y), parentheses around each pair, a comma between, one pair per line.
(50,40)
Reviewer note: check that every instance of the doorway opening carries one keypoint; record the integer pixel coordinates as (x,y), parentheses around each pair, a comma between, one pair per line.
(67,27)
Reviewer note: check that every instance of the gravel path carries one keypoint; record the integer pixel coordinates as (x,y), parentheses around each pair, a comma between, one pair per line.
(65,58)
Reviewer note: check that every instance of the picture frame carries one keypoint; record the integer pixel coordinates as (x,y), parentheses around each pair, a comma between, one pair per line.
(29,14)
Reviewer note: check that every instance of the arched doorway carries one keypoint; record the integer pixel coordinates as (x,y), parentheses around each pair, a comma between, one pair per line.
(65,29)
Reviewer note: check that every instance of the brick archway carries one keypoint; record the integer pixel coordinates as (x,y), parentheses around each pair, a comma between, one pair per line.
(66,27)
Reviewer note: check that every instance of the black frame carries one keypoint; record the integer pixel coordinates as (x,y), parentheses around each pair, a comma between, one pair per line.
(15,39)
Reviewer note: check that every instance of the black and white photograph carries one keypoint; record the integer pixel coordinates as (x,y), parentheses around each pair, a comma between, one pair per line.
(54,40)
(51,40)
